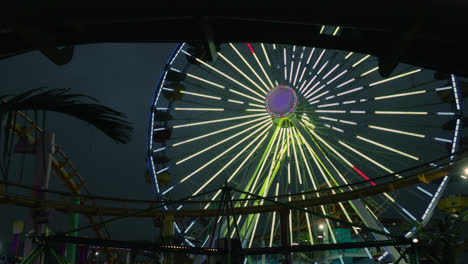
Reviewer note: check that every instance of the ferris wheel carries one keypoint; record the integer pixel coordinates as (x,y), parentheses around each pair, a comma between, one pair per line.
(275,120)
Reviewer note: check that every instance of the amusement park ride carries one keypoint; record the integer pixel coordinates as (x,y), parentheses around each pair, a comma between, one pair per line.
(279,151)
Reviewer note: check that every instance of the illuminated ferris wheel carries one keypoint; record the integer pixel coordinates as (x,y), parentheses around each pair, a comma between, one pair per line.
(275,120)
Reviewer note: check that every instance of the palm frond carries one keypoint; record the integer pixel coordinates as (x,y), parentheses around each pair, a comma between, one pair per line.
(109,121)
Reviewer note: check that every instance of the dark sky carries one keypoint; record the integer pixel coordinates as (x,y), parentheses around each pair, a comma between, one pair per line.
(122,76)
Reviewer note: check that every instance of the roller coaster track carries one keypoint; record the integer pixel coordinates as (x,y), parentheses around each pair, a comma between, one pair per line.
(153,211)
(67,172)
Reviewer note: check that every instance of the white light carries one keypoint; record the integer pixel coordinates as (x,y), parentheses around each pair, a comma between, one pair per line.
(361,60)
(463,177)
(444,88)
(369,71)
(350,91)
(445,113)
(336,31)
(320,57)
(263,70)
(235,101)
(321,226)
(97,253)
(327,105)
(320,95)
(394,77)
(388,148)
(201,95)
(331,111)
(399,95)
(198,109)
(330,97)
(338,129)
(323,66)
(330,72)
(415,240)
(217,121)
(349,55)
(302,74)
(248,65)
(424,191)
(366,157)
(349,102)
(310,55)
(205,81)
(397,131)
(357,112)
(466,171)
(168,190)
(266,55)
(244,95)
(399,113)
(297,71)
(328,118)
(162,170)
(348,122)
(336,77)
(345,83)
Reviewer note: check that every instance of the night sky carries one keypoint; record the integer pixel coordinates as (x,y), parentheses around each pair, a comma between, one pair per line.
(121,76)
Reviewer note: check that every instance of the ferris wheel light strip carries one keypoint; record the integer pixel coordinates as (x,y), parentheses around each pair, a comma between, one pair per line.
(198,109)
(235,101)
(408,213)
(349,102)
(443,88)
(445,113)
(218,120)
(217,132)
(345,83)
(231,161)
(369,71)
(266,55)
(257,105)
(319,58)
(348,122)
(330,72)
(243,74)
(443,140)
(302,74)
(248,65)
(201,95)
(307,86)
(223,153)
(304,158)
(330,97)
(244,95)
(297,72)
(336,31)
(337,129)
(323,66)
(366,157)
(336,77)
(331,148)
(361,60)
(274,216)
(357,112)
(295,155)
(261,66)
(350,91)
(331,111)
(205,81)
(320,95)
(397,131)
(322,28)
(328,118)
(255,110)
(387,148)
(307,95)
(349,55)
(273,163)
(163,148)
(425,191)
(399,113)
(310,55)
(399,95)
(395,77)
(455,92)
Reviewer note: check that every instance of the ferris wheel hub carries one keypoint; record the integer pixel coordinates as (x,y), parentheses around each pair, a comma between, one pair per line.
(281,101)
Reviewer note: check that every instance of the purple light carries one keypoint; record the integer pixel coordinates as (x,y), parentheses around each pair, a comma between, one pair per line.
(281,101)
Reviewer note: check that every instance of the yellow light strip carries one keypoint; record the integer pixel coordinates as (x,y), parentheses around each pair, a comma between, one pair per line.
(366,157)
(394,77)
(217,121)
(388,148)
(321,30)
(219,143)
(218,131)
(198,109)
(235,101)
(369,71)
(361,60)
(205,81)
(399,95)
(243,74)
(336,31)
(255,110)
(295,156)
(257,105)
(349,55)
(398,131)
(201,95)
(244,95)
(263,70)
(266,55)
(248,65)
(230,161)
(273,163)
(399,113)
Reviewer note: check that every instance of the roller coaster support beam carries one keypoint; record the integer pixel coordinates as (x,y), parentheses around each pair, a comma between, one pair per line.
(43,149)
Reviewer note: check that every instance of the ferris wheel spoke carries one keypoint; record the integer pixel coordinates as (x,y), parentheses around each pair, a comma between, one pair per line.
(221,142)
(245,95)
(250,67)
(217,121)
(219,131)
(387,148)
(299,177)
(222,154)
(261,66)
(244,75)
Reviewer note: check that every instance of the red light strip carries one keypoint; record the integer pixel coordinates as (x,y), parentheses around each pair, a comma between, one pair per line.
(250,47)
(363,175)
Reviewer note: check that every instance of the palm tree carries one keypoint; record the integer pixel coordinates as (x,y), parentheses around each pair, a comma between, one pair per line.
(109,121)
